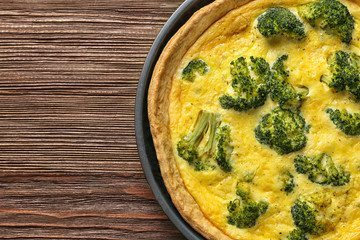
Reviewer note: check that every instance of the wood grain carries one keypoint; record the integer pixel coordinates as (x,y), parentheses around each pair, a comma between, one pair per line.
(69,167)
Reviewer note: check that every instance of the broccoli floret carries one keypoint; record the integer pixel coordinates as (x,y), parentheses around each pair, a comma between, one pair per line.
(329,15)
(243,191)
(207,141)
(288,183)
(278,69)
(345,73)
(243,212)
(248,176)
(245,215)
(249,92)
(342,70)
(239,68)
(297,234)
(304,214)
(280,21)
(287,95)
(316,213)
(188,147)
(282,130)
(348,123)
(322,170)
(194,67)
(224,148)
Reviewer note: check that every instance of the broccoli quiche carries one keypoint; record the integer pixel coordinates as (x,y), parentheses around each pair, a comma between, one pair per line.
(254,108)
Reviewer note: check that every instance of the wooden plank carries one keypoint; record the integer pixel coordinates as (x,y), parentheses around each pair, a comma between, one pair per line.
(69,167)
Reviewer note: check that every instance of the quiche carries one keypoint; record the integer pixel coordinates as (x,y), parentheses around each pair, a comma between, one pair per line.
(254,109)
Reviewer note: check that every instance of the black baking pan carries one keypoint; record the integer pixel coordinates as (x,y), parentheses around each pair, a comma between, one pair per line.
(142,129)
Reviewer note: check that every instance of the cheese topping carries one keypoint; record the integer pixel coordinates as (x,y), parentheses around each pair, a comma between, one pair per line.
(236,35)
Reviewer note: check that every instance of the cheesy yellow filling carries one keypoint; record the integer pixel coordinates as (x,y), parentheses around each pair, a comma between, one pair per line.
(236,35)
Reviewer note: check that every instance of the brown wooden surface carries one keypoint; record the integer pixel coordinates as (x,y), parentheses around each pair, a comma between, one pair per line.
(69,167)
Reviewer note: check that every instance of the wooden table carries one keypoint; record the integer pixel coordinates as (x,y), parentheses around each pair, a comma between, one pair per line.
(69,167)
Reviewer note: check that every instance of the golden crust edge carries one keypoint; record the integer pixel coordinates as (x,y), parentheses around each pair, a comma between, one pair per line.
(158,103)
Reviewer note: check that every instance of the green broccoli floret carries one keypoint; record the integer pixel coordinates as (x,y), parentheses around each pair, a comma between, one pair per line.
(304,213)
(194,67)
(278,69)
(343,69)
(282,130)
(243,212)
(329,15)
(322,170)
(243,191)
(249,92)
(188,147)
(280,21)
(316,213)
(245,215)
(297,234)
(207,141)
(345,73)
(224,148)
(288,183)
(248,177)
(287,95)
(348,123)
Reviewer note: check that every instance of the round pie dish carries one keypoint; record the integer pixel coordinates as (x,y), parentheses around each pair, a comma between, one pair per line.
(254,116)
